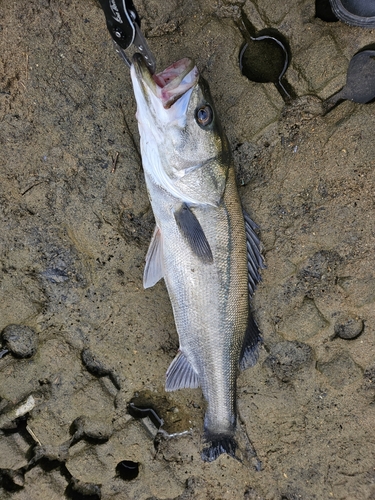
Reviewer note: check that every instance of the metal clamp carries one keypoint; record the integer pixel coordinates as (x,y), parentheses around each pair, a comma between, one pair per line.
(123,23)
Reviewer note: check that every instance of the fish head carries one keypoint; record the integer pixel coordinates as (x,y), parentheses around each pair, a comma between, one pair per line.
(179,128)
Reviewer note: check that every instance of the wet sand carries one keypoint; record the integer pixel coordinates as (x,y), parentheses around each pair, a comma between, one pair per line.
(75,227)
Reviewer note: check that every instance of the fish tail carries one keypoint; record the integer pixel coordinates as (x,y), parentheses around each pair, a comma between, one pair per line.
(219,444)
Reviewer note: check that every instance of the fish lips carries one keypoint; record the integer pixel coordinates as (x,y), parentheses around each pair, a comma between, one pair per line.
(169,85)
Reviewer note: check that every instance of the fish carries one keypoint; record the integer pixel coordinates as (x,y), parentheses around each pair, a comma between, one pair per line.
(204,245)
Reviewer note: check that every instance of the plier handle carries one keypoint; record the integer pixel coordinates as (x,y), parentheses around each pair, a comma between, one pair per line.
(124,24)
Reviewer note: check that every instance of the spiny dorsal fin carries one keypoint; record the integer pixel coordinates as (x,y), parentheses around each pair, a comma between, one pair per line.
(153,271)
(181,375)
(193,233)
(254,256)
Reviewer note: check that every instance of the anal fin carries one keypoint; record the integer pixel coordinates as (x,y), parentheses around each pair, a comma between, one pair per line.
(181,375)
(250,347)
(153,271)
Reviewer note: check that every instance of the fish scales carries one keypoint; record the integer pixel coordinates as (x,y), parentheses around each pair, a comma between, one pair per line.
(200,242)
(210,303)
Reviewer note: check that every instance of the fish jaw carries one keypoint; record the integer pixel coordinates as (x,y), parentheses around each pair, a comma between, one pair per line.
(163,97)
(162,104)
(173,146)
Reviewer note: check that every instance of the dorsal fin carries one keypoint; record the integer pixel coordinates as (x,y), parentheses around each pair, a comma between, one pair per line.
(255,260)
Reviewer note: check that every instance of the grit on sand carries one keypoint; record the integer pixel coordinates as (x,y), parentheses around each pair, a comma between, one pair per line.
(75,227)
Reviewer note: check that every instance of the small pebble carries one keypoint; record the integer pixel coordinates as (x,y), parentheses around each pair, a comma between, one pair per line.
(85,489)
(22,341)
(52,453)
(287,358)
(92,364)
(83,427)
(348,327)
(369,377)
(97,368)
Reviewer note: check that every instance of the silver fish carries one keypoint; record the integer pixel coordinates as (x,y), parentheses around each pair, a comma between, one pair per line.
(204,246)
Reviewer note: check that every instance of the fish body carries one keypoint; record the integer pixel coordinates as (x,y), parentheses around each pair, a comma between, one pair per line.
(203,247)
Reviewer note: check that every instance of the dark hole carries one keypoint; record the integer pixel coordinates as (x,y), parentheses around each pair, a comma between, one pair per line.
(265,58)
(127,470)
(262,61)
(324,11)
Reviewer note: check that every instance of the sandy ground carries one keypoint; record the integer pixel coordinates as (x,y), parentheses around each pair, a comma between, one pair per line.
(75,227)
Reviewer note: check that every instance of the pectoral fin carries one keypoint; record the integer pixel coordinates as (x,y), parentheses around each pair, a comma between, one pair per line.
(254,255)
(193,233)
(181,375)
(154,263)
(250,347)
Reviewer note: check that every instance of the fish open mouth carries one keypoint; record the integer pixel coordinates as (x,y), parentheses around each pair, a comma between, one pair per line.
(170,84)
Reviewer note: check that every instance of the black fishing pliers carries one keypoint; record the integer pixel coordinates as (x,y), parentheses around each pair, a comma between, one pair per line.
(123,23)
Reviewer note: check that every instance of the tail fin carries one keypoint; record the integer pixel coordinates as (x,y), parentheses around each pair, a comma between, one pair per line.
(218,445)
(236,444)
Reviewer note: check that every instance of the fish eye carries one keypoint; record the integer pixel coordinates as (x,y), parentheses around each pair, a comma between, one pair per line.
(204,115)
